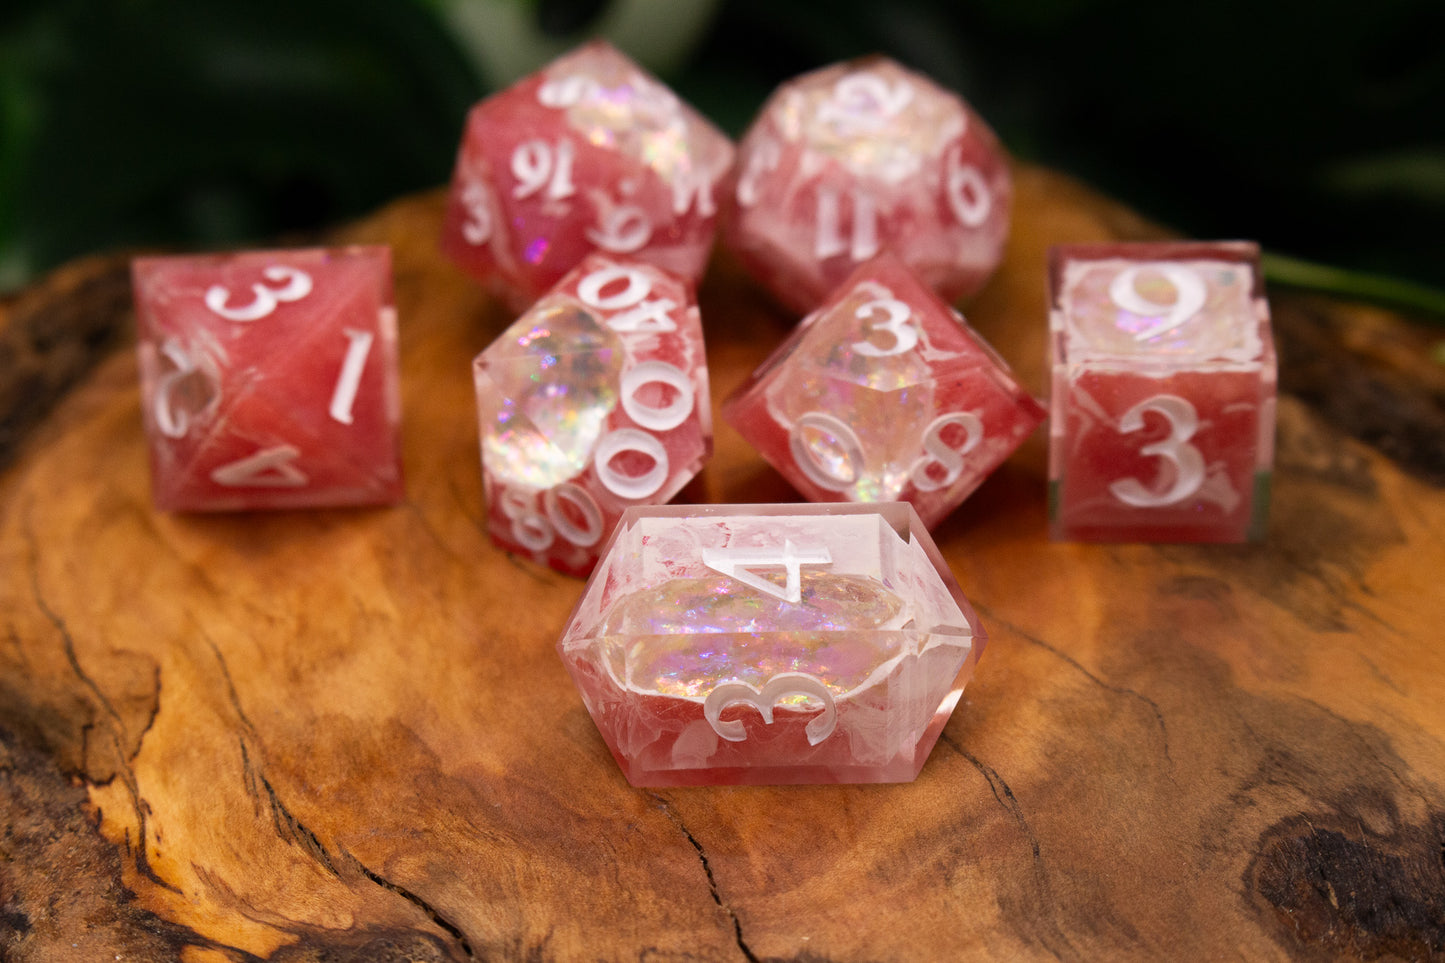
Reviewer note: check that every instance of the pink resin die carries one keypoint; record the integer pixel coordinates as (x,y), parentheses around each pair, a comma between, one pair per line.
(269,378)
(884,393)
(771,644)
(589,154)
(1162,395)
(594,400)
(862,157)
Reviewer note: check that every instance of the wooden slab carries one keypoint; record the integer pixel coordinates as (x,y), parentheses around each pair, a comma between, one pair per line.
(345,735)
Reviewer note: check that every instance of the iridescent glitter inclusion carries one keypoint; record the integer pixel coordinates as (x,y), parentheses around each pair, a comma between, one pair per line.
(684,637)
(555,373)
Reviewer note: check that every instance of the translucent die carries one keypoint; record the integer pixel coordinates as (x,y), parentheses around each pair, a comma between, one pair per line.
(589,154)
(859,158)
(594,400)
(771,644)
(883,394)
(1162,393)
(269,379)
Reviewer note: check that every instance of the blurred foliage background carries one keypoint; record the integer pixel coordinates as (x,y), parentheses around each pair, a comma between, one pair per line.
(1317,128)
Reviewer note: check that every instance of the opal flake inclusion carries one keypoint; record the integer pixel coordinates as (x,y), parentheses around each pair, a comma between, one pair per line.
(771,644)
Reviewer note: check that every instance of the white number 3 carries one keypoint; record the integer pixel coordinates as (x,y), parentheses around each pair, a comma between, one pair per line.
(294,283)
(1187,461)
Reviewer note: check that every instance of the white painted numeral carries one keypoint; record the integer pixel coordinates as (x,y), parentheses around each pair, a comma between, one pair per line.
(477,228)
(537,164)
(897,316)
(1187,460)
(268,468)
(631,487)
(172,422)
(765,156)
(295,285)
(844,442)
(968,195)
(948,457)
(657,372)
(1189,296)
(644,316)
(537,531)
(779,687)
(565,91)
(737,563)
(343,396)
(828,239)
(622,229)
(864,102)
(691,187)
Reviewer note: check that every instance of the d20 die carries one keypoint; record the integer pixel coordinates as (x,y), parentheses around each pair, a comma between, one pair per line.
(884,393)
(771,644)
(594,400)
(860,157)
(269,378)
(1162,393)
(589,154)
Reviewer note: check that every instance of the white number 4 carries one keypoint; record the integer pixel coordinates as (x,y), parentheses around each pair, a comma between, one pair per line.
(736,563)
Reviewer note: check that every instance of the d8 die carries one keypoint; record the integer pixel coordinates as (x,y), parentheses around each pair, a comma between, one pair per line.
(594,400)
(884,393)
(771,644)
(269,378)
(860,157)
(1162,393)
(590,154)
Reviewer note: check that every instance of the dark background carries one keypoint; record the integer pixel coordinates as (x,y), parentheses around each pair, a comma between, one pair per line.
(1315,128)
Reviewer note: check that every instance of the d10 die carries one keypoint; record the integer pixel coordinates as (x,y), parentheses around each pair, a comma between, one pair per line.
(596,399)
(1162,393)
(771,644)
(590,154)
(884,393)
(860,157)
(269,378)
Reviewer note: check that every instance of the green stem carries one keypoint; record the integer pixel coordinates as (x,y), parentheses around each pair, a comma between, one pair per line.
(1294,272)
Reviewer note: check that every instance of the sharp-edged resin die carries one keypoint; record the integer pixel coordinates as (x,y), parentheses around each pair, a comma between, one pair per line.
(861,157)
(589,154)
(269,378)
(1162,393)
(771,644)
(884,393)
(594,400)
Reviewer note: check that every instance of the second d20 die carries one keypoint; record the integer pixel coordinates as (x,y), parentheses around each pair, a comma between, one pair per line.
(883,394)
(1162,393)
(269,378)
(594,400)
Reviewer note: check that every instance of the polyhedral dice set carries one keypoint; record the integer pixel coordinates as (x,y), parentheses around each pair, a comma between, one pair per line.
(734,644)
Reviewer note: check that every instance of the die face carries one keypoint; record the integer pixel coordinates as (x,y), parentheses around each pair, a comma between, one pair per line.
(860,157)
(589,154)
(269,379)
(884,394)
(1163,393)
(771,644)
(594,400)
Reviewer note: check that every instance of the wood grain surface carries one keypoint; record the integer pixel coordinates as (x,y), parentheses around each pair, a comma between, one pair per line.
(346,735)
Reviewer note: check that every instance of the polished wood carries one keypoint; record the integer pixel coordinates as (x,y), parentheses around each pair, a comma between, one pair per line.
(345,735)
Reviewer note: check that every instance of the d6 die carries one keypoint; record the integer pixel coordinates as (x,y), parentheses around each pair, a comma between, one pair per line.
(859,157)
(884,393)
(1162,393)
(590,154)
(269,378)
(771,644)
(594,400)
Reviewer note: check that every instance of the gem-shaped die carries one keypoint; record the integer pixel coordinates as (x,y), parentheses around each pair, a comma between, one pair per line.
(594,400)
(589,154)
(269,378)
(1162,393)
(860,157)
(884,393)
(771,644)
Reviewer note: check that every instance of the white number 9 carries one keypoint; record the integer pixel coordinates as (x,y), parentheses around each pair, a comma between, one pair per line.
(1190,295)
